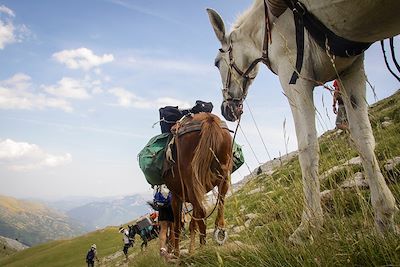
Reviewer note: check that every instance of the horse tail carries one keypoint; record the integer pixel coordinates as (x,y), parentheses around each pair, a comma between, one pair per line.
(211,136)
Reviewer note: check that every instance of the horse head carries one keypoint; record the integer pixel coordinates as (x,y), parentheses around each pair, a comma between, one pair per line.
(237,61)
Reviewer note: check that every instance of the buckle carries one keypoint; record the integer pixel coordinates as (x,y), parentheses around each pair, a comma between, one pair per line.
(299,8)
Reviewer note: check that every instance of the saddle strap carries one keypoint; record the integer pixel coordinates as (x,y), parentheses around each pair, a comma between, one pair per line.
(322,35)
(193,126)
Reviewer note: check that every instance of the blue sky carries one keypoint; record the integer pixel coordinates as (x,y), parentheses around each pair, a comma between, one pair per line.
(81,83)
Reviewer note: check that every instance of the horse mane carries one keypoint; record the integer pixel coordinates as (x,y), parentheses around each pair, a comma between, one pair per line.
(211,136)
(241,19)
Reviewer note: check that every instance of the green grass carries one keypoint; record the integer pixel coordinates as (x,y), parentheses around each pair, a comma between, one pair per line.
(71,252)
(348,237)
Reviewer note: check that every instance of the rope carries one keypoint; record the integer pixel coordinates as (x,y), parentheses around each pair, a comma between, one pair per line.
(391,42)
(386,61)
(258,130)
(251,148)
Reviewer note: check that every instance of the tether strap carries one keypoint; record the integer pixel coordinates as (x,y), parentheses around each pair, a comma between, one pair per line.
(299,25)
(322,35)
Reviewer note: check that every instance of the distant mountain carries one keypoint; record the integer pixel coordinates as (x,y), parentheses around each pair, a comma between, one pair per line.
(32,222)
(68,203)
(116,211)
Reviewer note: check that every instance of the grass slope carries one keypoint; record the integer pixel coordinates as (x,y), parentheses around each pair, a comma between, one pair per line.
(348,238)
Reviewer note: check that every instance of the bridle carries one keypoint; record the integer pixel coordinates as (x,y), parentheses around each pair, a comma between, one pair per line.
(246,74)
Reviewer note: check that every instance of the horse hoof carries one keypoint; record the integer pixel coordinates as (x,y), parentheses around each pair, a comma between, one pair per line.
(220,236)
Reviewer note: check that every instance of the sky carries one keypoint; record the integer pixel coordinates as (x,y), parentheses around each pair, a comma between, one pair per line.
(81,83)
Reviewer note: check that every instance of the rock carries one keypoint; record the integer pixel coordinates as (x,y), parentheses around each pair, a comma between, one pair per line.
(357,181)
(334,169)
(257,190)
(392,163)
(326,195)
(331,171)
(238,229)
(14,244)
(354,161)
(184,251)
(250,216)
(386,118)
(247,223)
(386,124)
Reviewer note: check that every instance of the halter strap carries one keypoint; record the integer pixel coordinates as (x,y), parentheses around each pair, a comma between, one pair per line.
(264,57)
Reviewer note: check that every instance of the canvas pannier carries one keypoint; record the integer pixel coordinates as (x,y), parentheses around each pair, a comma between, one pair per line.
(151,158)
(238,158)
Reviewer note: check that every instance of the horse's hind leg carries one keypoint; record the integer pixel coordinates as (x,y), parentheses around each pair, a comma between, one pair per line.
(192,229)
(354,98)
(220,234)
(199,214)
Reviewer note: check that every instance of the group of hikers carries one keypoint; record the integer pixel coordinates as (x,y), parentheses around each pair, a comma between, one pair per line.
(161,220)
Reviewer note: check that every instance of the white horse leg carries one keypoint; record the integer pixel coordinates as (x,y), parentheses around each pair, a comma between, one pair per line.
(354,98)
(300,97)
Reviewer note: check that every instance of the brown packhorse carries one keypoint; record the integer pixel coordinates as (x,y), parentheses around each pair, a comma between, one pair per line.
(203,161)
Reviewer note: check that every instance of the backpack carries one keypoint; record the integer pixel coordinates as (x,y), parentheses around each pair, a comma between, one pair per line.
(201,106)
(169,115)
(90,256)
(162,196)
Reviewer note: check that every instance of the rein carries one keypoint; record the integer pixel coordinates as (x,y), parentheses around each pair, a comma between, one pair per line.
(246,74)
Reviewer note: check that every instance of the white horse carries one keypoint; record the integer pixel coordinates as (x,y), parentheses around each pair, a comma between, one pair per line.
(242,50)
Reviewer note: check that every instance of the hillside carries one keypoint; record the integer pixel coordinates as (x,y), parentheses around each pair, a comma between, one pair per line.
(32,222)
(267,208)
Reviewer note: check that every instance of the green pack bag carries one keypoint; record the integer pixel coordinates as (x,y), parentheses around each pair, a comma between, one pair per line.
(151,158)
(238,158)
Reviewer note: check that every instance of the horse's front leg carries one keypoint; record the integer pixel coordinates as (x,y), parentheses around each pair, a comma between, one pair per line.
(354,98)
(300,97)
(220,234)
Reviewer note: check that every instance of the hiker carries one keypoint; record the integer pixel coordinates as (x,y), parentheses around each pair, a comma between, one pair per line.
(162,198)
(341,117)
(91,256)
(127,241)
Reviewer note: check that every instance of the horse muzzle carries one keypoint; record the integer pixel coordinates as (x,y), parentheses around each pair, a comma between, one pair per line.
(232,109)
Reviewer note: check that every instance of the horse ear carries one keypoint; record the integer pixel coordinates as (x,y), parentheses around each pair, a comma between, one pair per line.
(218,25)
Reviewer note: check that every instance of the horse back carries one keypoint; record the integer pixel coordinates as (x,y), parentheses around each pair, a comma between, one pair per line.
(358,20)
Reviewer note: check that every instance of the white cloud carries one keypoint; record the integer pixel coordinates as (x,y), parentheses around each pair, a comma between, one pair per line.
(7,11)
(126,99)
(6,34)
(22,156)
(10,33)
(19,81)
(68,88)
(82,58)
(15,93)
